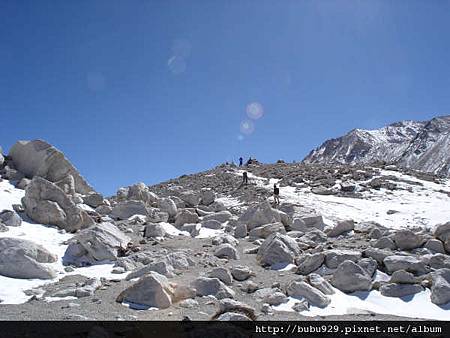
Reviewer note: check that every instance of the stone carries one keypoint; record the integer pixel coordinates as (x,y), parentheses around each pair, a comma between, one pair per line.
(191,198)
(241,273)
(207,196)
(10,218)
(341,228)
(185,216)
(155,215)
(161,267)
(300,306)
(192,228)
(103,210)
(403,277)
(266,230)
(221,239)
(232,316)
(94,245)
(3,228)
(93,199)
(312,295)
(38,158)
(205,286)
(350,277)
(154,291)
(188,303)
(375,233)
(228,305)
(226,251)
(169,206)
(221,216)
(309,220)
(23,183)
(140,192)
(442,231)
(212,224)
(407,240)
(241,231)
(408,263)
(385,243)
(277,248)
(370,265)
(315,236)
(335,257)
(46,203)
(222,274)
(400,290)
(440,287)
(435,245)
(154,230)
(180,260)
(320,283)
(308,263)
(24,259)
(258,215)
(126,209)
(439,261)
(270,296)
(378,254)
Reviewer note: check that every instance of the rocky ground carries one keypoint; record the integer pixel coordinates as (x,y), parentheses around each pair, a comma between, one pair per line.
(206,246)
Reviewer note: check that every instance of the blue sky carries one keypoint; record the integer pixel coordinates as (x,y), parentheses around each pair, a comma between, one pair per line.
(144,90)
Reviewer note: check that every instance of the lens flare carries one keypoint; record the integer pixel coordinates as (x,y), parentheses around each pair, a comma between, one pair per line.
(176,64)
(247,127)
(255,110)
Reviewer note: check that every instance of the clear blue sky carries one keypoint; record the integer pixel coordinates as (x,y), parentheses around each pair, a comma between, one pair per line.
(149,90)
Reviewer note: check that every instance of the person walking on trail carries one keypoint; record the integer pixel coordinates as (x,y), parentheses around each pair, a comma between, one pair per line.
(245,178)
(276,194)
(241,160)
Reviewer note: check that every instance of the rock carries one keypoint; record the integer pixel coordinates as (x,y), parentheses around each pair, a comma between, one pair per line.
(407,240)
(226,251)
(118,270)
(212,286)
(212,224)
(241,273)
(192,228)
(435,245)
(155,215)
(161,267)
(341,228)
(403,277)
(96,244)
(304,290)
(335,257)
(408,263)
(442,231)
(385,243)
(270,296)
(185,216)
(190,197)
(46,203)
(378,254)
(228,305)
(232,316)
(308,220)
(140,192)
(221,216)
(350,277)
(38,158)
(126,209)
(103,210)
(439,261)
(241,231)
(277,248)
(308,263)
(188,303)
(347,187)
(315,236)
(375,233)
(249,286)
(2,159)
(93,199)
(320,283)
(322,191)
(18,208)
(3,228)
(23,183)
(258,215)
(300,306)
(207,196)
(440,288)
(10,218)
(369,265)
(85,289)
(180,260)
(221,239)
(222,274)
(154,230)
(169,206)
(400,290)
(154,290)
(266,230)
(24,259)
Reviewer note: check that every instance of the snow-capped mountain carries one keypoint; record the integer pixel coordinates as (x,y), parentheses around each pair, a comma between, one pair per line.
(422,146)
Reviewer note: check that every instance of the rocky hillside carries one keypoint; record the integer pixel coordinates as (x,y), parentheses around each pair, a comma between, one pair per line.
(208,247)
(423,146)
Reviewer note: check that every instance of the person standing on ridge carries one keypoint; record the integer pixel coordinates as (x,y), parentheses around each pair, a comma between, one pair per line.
(276,194)
(245,178)
(240,161)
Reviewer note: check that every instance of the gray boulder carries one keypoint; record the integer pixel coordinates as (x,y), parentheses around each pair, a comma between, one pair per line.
(25,259)
(207,196)
(140,192)
(303,290)
(10,218)
(439,261)
(205,286)
(408,263)
(46,203)
(155,215)
(191,198)
(308,263)
(335,257)
(442,231)
(38,158)
(185,216)
(341,228)
(221,239)
(440,288)
(241,231)
(126,209)
(154,230)
(221,216)
(212,224)
(161,267)
(270,296)
(385,243)
(277,248)
(400,290)
(221,273)
(403,277)
(266,230)
(259,215)
(378,254)
(226,251)
(3,228)
(169,206)
(370,265)
(93,199)
(350,277)
(435,245)
(320,283)
(241,273)
(94,245)
(407,240)
(192,228)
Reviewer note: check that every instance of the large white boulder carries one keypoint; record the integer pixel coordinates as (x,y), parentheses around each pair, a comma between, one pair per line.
(277,248)
(126,209)
(350,277)
(259,215)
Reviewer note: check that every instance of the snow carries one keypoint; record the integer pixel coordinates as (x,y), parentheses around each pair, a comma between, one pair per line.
(51,238)
(418,305)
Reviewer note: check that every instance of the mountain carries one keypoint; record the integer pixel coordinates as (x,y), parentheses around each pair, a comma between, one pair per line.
(419,145)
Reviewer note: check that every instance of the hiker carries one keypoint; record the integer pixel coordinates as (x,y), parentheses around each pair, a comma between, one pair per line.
(249,161)
(276,194)
(241,160)
(245,178)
